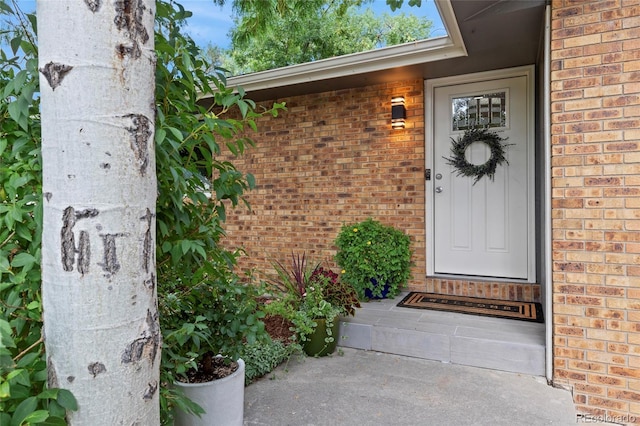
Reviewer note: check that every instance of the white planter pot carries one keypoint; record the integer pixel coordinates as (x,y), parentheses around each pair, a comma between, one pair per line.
(222,400)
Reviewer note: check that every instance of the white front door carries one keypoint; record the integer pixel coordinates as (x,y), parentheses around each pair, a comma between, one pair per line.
(483,229)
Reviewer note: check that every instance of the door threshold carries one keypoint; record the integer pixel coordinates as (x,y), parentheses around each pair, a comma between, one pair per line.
(479,278)
(483,287)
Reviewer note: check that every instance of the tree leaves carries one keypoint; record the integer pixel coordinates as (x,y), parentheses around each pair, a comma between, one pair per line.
(188,139)
(314,30)
(193,182)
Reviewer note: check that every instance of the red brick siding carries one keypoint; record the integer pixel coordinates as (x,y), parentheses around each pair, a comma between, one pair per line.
(595,104)
(330,159)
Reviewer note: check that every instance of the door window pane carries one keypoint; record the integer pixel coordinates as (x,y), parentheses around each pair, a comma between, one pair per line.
(480,111)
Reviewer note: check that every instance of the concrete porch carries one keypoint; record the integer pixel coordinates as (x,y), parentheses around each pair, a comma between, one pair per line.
(499,344)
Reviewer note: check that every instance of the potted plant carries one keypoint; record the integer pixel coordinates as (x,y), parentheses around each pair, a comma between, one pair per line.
(375,259)
(325,286)
(312,298)
(206,320)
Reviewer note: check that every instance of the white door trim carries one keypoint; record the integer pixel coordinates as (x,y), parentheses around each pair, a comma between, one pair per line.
(430,86)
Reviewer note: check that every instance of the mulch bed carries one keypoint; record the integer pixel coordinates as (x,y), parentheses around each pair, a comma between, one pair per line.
(278,328)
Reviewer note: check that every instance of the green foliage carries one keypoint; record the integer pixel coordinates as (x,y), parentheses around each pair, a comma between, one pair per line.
(212,312)
(24,396)
(262,358)
(288,290)
(189,220)
(397,4)
(204,307)
(193,182)
(316,31)
(315,309)
(337,292)
(258,17)
(370,251)
(284,306)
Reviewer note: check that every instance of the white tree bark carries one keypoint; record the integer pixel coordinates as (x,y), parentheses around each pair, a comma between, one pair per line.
(97,64)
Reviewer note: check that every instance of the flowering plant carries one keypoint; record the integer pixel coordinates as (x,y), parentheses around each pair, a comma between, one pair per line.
(374,258)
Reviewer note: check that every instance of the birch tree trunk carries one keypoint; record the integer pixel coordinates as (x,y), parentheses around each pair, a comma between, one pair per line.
(97,64)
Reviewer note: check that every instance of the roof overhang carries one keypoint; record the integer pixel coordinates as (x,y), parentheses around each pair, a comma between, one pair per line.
(402,55)
(481,35)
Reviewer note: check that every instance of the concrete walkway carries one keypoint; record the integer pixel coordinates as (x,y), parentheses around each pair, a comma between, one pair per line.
(356,387)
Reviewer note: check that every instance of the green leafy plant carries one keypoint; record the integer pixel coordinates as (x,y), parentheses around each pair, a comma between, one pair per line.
(315,306)
(193,189)
(194,184)
(373,256)
(339,293)
(210,314)
(288,290)
(205,309)
(25,397)
(262,358)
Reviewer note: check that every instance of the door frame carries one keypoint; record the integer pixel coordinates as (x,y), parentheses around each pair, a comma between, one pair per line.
(429,94)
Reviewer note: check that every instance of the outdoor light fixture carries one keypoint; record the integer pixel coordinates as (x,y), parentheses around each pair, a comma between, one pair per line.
(398,113)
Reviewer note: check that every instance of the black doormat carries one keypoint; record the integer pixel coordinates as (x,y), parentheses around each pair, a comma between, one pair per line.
(523,311)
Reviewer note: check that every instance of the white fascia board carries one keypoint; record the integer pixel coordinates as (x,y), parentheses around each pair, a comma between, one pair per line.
(412,53)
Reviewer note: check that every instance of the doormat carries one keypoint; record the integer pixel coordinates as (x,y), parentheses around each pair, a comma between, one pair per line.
(523,311)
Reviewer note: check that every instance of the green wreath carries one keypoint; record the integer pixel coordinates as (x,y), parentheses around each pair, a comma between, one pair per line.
(464,168)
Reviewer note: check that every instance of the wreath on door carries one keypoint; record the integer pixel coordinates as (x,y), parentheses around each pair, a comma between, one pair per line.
(464,168)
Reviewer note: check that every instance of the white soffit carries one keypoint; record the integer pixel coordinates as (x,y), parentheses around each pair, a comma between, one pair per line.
(419,52)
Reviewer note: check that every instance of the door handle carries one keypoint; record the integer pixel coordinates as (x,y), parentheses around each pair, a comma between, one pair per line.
(438,189)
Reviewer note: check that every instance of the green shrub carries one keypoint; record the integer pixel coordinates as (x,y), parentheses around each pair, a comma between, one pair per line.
(370,253)
(213,313)
(204,306)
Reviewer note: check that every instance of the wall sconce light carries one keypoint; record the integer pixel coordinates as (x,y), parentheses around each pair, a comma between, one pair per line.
(398,113)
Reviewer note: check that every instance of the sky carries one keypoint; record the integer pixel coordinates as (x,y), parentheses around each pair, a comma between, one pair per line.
(211,23)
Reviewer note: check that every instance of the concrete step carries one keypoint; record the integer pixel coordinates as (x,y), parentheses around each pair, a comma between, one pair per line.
(495,343)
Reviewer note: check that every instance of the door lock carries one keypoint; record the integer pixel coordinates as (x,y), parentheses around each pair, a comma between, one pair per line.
(438,189)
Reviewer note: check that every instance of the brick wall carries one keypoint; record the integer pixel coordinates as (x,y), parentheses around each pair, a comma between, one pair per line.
(596,204)
(332,158)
